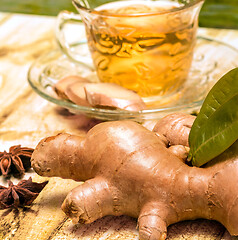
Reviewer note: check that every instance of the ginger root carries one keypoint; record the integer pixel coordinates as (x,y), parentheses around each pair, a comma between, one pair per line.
(129,170)
(81,91)
(62,85)
(113,95)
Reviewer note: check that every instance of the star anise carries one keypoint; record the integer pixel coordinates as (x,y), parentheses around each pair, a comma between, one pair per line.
(17,160)
(20,195)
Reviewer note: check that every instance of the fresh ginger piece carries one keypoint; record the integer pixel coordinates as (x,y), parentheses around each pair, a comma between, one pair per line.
(76,93)
(80,91)
(180,151)
(175,127)
(61,86)
(129,170)
(113,95)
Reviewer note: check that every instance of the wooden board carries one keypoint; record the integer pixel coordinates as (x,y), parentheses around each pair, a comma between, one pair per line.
(25,118)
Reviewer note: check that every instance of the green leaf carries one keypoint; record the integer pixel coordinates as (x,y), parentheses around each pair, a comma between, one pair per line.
(216,126)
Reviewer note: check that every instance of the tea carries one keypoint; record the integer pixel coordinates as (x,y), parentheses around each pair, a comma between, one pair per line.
(147,49)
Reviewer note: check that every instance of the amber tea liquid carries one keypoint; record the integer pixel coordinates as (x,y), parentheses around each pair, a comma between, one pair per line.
(149,54)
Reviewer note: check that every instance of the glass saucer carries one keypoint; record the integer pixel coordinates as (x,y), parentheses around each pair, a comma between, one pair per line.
(212,59)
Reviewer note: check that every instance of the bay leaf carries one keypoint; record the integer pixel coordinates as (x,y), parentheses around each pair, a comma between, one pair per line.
(216,126)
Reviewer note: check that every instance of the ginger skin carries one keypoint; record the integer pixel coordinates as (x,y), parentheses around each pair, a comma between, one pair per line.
(129,170)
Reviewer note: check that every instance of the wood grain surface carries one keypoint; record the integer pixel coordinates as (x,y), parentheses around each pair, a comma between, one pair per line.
(25,118)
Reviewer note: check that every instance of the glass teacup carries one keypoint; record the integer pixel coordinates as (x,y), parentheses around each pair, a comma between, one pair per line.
(143,45)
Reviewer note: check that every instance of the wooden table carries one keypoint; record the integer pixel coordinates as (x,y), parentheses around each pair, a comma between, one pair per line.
(25,118)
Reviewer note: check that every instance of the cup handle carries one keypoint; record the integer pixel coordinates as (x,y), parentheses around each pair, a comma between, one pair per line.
(63,18)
